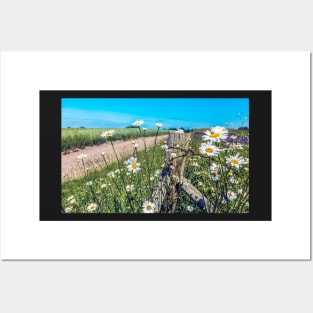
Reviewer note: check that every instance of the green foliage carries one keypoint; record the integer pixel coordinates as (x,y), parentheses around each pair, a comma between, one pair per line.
(106,184)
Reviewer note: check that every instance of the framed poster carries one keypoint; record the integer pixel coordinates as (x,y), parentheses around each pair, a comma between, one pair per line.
(40,220)
(215,166)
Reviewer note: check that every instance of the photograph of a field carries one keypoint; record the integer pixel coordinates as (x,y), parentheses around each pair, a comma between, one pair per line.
(155,155)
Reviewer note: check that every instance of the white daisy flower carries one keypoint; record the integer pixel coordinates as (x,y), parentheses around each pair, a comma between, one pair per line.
(159,125)
(73,201)
(233,180)
(133,166)
(92,207)
(157,172)
(231,195)
(111,174)
(138,123)
(208,149)
(214,176)
(108,133)
(129,188)
(82,156)
(216,134)
(136,145)
(89,183)
(214,167)
(189,208)
(70,198)
(148,207)
(236,160)
(68,210)
(103,186)
(165,147)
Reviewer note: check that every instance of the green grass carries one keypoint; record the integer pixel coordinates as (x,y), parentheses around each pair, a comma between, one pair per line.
(228,194)
(109,192)
(78,138)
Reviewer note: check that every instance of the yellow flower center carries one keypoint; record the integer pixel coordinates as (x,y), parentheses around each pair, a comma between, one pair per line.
(209,150)
(215,135)
(234,161)
(92,207)
(134,165)
(213,174)
(148,207)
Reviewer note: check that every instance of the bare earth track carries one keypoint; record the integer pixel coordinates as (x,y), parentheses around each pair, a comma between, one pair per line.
(71,168)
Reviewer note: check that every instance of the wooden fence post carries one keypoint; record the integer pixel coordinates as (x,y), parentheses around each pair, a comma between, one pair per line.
(175,168)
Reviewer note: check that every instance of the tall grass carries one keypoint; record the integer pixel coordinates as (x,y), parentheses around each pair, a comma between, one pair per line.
(78,138)
(107,186)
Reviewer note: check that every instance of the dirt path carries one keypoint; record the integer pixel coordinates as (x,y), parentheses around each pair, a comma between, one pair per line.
(71,168)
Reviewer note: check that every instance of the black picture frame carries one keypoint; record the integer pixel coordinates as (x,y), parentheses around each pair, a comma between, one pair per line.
(260,154)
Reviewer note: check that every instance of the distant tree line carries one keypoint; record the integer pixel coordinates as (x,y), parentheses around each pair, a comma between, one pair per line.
(243,128)
(171,128)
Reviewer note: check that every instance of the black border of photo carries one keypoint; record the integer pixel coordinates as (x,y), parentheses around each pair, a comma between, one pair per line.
(260,154)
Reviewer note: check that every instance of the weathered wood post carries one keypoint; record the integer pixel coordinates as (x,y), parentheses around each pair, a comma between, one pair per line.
(165,190)
(171,178)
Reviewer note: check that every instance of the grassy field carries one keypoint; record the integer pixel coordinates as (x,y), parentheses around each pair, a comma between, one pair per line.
(113,188)
(73,138)
(219,169)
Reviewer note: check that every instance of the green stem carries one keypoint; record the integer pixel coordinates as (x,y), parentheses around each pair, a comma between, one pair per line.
(119,167)
(114,182)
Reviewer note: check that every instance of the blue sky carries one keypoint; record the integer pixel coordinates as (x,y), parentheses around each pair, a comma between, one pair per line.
(172,112)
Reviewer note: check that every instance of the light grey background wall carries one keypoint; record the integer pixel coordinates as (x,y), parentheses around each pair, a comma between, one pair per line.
(156,286)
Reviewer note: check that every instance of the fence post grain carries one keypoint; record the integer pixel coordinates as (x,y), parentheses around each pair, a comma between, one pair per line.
(166,190)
